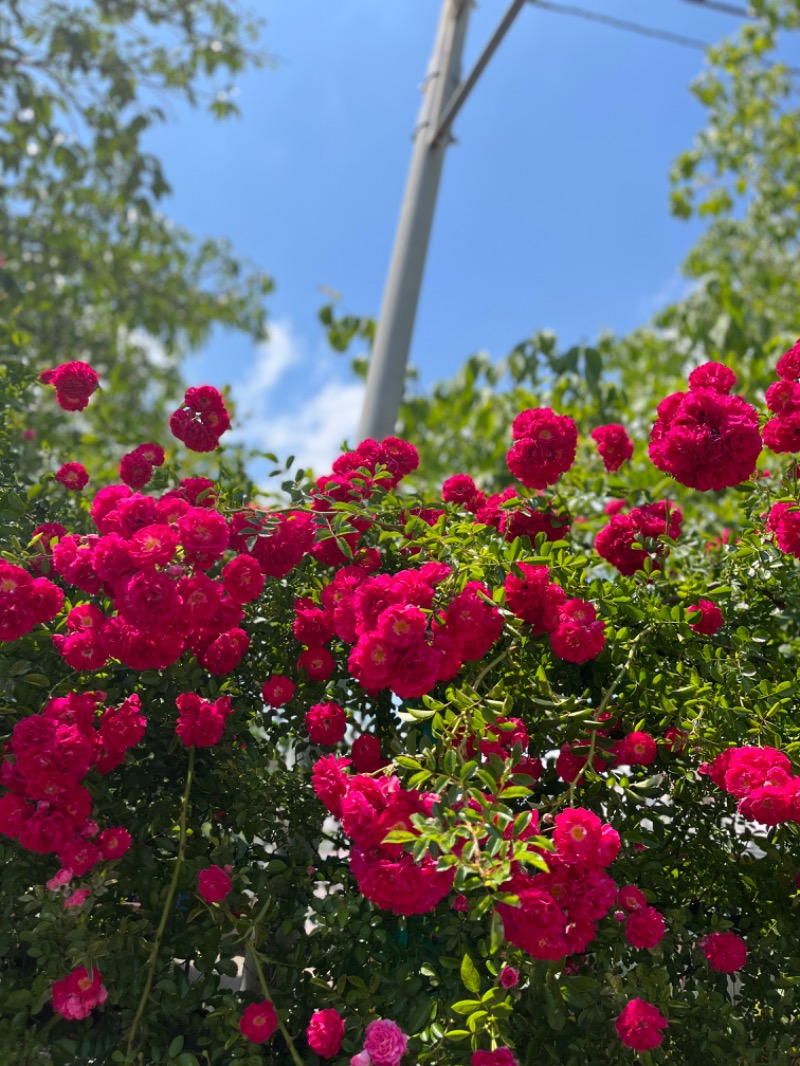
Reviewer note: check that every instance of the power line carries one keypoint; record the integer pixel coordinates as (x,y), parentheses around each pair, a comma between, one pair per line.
(724,9)
(635,27)
(622,24)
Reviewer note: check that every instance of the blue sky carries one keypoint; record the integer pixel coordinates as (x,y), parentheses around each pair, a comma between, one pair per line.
(553,208)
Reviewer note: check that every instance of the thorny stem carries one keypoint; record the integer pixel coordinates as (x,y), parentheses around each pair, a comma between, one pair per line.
(162,925)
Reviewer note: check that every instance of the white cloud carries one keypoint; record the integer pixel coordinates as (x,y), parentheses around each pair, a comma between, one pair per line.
(294,403)
(274,357)
(315,431)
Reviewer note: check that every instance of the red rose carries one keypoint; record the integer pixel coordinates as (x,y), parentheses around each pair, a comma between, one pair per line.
(461,489)
(366,752)
(614,445)
(326,724)
(501,1056)
(74,383)
(277,691)
(114,842)
(726,952)
(135,470)
(325,1033)
(258,1022)
(708,617)
(645,928)
(318,663)
(544,447)
(76,995)
(639,1025)
(329,779)
(73,476)
(243,579)
(213,884)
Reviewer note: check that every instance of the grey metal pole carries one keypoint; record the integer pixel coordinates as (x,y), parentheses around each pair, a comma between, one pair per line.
(458,98)
(387,365)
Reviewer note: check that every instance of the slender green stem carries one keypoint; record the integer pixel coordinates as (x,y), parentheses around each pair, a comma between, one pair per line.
(168,903)
(604,702)
(612,688)
(267,995)
(589,761)
(489,666)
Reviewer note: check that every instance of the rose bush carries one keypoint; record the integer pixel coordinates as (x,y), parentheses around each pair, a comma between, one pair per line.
(503,778)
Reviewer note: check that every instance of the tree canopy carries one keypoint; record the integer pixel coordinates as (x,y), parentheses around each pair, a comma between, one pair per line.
(92,266)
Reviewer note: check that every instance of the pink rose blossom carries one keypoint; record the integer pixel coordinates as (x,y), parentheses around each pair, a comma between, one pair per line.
(385,1043)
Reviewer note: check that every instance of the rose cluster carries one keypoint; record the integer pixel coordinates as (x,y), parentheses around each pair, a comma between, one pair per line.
(76,995)
(136,467)
(386,463)
(200,722)
(201,419)
(612,747)
(558,911)
(506,511)
(508,739)
(706,438)
(576,634)
(25,601)
(784,522)
(369,809)
(47,808)
(644,925)
(629,539)
(150,559)
(401,642)
(762,781)
(782,432)
(355,478)
(544,447)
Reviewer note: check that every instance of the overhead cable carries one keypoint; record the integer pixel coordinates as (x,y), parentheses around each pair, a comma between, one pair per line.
(621,24)
(723,9)
(632,27)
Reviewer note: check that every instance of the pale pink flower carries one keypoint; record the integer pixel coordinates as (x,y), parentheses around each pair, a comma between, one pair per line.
(77,898)
(59,879)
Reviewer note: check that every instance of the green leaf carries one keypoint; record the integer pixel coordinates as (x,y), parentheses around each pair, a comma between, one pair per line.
(467,1006)
(470,976)
(176,1045)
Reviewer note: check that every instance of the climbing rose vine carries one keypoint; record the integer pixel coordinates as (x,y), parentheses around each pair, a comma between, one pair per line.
(498,777)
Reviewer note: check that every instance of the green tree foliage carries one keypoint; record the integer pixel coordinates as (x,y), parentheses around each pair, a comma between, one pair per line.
(92,268)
